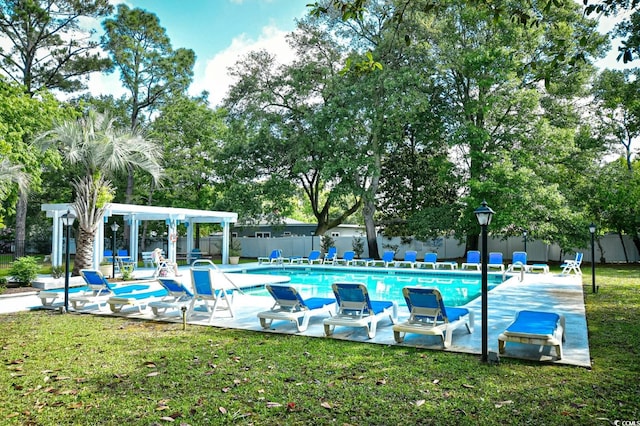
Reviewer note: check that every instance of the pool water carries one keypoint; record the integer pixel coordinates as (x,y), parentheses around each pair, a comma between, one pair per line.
(457,288)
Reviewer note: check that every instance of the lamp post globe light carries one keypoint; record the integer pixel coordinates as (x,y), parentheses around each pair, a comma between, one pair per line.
(114,228)
(592,230)
(67,220)
(484,215)
(524,234)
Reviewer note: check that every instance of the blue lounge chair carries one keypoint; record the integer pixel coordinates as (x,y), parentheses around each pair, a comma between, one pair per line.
(274,257)
(178,296)
(315,256)
(100,289)
(572,265)
(139,299)
(355,309)
(473,260)
(495,261)
(428,315)
(410,259)
(124,255)
(519,262)
(48,297)
(330,257)
(387,259)
(430,260)
(211,288)
(535,328)
(194,255)
(107,256)
(290,306)
(347,258)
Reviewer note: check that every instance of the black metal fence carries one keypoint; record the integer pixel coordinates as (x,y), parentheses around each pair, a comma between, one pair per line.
(10,250)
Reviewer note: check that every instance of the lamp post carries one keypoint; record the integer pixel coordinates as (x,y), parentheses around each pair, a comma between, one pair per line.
(312,235)
(67,220)
(484,214)
(592,229)
(114,228)
(524,234)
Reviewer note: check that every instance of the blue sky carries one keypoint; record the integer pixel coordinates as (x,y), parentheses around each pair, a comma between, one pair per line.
(220,32)
(223,31)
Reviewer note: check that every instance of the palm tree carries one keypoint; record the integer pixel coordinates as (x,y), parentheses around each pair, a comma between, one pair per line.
(102,150)
(11,174)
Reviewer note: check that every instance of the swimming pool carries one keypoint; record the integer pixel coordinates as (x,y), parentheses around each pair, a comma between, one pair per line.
(457,288)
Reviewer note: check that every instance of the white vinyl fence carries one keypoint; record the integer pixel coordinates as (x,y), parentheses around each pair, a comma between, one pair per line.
(447,248)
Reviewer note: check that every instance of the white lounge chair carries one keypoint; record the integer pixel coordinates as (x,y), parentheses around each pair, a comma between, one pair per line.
(495,261)
(139,299)
(410,259)
(519,262)
(355,309)
(387,259)
(429,316)
(572,265)
(290,306)
(178,296)
(100,290)
(473,260)
(210,287)
(430,260)
(535,328)
(274,257)
(346,259)
(331,256)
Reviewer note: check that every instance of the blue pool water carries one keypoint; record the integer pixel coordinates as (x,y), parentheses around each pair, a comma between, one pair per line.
(457,288)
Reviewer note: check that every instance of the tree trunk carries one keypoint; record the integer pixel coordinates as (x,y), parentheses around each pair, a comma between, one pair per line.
(636,242)
(603,260)
(368,210)
(473,242)
(84,251)
(624,249)
(21,223)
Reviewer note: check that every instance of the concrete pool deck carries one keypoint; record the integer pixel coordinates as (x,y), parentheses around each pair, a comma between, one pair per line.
(542,292)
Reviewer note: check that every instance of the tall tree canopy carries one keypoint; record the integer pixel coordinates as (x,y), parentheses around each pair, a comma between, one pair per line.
(44,45)
(509,94)
(150,69)
(21,118)
(286,134)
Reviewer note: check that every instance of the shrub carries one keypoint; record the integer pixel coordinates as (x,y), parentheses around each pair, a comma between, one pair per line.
(127,272)
(358,246)
(326,242)
(57,271)
(25,269)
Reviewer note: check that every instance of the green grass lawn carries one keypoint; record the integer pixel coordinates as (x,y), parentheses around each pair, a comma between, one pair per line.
(84,369)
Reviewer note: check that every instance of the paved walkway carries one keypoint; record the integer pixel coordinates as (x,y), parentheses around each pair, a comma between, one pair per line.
(546,292)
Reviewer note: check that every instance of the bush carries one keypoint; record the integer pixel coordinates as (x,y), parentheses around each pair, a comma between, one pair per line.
(326,242)
(357,244)
(57,271)
(25,269)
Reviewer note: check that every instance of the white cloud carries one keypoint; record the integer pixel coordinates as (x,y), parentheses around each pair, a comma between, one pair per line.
(105,84)
(215,78)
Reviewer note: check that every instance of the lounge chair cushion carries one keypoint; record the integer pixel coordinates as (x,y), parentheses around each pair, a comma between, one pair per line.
(535,328)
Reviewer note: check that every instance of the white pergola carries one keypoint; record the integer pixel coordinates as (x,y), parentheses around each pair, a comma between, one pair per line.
(133,215)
